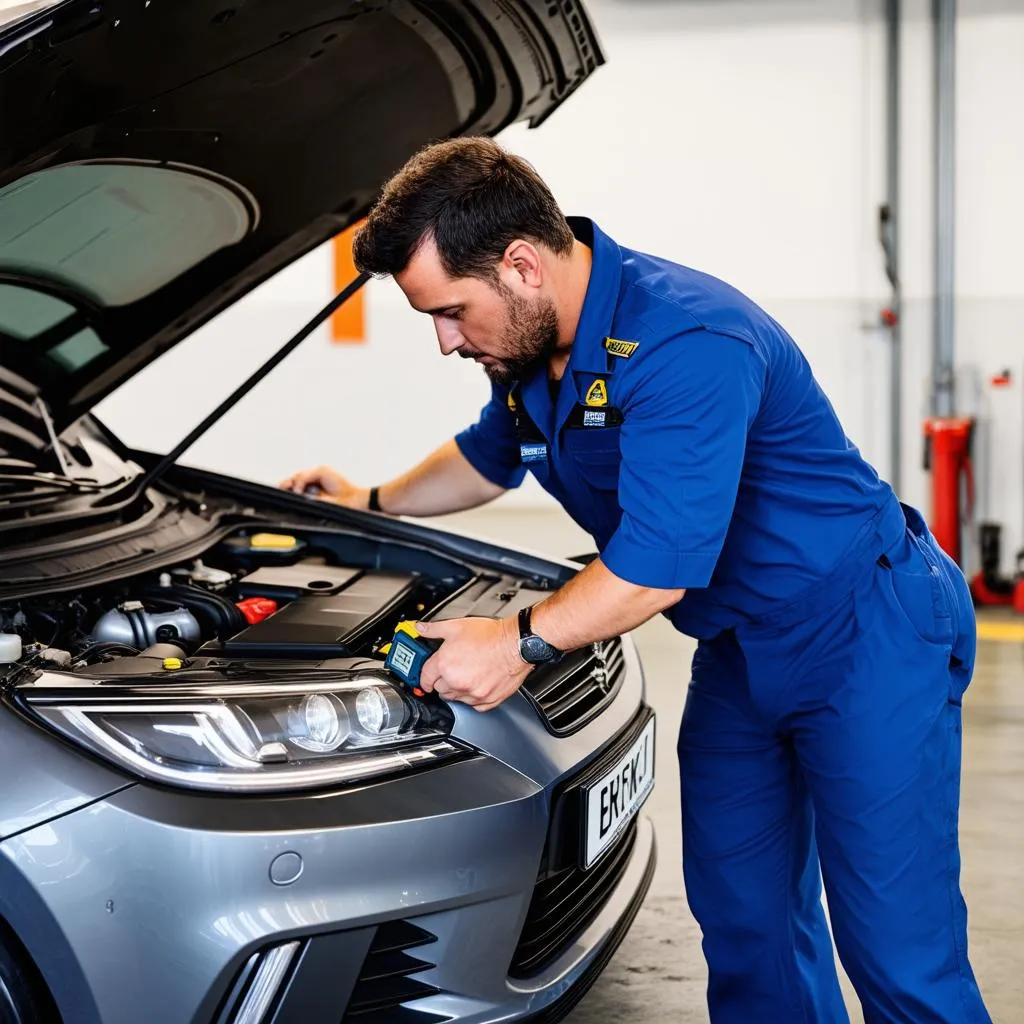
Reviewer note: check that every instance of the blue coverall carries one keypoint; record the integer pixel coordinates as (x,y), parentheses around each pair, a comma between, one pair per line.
(821,733)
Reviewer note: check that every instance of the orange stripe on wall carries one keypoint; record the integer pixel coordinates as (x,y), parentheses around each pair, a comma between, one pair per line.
(348,324)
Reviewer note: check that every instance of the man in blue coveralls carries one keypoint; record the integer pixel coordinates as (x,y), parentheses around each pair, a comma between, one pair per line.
(680,425)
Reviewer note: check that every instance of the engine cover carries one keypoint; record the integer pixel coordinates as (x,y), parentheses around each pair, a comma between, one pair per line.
(294,581)
(324,626)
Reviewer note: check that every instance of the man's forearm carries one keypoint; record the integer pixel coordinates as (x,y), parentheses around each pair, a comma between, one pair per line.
(443,482)
(595,605)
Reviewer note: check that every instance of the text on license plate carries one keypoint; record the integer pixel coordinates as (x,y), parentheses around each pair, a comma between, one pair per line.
(614,799)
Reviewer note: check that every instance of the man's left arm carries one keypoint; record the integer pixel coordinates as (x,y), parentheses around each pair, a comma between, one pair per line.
(687,411)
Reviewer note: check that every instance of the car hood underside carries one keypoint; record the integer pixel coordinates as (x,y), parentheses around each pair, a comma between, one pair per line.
(160,160)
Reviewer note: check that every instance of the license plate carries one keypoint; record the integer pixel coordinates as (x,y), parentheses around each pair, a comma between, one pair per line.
(612,802)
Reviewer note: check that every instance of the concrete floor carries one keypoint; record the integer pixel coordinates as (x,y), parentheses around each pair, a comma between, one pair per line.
(658,976)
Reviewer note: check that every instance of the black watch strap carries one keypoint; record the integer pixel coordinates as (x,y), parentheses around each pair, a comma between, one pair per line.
(525,622)
(533,649)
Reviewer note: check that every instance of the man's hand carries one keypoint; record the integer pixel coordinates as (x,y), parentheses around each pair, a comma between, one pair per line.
(329,485)
(478,664)
(443,482)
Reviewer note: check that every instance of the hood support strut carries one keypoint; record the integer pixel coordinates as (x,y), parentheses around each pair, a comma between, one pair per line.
(58,452)
(150,478)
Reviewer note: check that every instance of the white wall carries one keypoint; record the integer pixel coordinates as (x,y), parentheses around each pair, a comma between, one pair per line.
(744,137)
(989,261)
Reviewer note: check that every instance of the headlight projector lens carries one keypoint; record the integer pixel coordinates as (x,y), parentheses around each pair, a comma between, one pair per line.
(322,724)
(374,713)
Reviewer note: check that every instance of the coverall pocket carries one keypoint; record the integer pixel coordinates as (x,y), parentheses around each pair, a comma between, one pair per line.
(541,471)
(914,582)
(595,452)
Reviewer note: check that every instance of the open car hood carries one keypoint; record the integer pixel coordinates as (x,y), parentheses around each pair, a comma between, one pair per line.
(160,159)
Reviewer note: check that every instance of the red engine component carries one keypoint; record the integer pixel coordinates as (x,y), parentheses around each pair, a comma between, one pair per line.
(256,609)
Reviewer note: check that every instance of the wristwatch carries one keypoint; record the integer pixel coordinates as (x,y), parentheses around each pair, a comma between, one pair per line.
(535,650)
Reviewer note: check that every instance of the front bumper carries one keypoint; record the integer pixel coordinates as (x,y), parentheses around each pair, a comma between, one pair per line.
(151,905)
(440,963)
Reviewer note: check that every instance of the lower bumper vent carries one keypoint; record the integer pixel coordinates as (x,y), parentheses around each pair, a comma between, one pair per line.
(387,982)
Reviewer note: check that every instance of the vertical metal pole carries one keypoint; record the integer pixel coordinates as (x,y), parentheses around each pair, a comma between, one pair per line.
(943,396)
(891,237)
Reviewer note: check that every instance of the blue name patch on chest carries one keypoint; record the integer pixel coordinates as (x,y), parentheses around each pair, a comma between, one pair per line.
(594,417)
(533,452)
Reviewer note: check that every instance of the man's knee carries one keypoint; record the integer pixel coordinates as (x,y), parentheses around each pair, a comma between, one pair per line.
(750,902)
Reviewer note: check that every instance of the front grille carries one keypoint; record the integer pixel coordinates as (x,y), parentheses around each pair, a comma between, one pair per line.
(388,980)
(567,897)
(574,692)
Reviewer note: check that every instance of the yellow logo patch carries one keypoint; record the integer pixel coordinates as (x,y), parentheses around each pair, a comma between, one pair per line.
(623,349)
(511,403)
(597,394)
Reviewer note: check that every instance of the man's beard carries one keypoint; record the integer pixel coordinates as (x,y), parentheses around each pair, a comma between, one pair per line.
(531,339)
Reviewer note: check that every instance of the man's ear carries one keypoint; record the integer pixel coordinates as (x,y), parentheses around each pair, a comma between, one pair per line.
(523,260)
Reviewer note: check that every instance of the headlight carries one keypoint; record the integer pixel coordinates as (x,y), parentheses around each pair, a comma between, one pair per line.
(243,738)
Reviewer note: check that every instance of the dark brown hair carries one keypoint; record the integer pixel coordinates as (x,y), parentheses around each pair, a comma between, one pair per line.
(473,198)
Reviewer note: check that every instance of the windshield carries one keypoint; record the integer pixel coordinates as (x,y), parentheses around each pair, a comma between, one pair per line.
(81,244)
(80,241)
(52,327)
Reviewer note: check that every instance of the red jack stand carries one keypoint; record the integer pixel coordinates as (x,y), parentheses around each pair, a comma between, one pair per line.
(948,456)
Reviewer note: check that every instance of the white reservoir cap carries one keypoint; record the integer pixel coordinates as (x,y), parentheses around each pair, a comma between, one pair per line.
(10,648)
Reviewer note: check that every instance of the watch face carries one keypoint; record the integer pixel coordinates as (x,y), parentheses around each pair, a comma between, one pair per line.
(535,650)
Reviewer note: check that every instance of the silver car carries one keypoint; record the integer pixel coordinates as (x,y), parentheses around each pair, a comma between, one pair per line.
(218,805)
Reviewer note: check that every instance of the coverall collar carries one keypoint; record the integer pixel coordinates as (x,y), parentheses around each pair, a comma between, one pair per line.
(602,297)
(587,354)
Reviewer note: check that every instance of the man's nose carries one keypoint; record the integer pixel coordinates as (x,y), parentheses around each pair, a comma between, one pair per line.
(448,335)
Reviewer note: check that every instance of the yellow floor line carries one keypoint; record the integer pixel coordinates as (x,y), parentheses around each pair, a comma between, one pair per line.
(1008,632)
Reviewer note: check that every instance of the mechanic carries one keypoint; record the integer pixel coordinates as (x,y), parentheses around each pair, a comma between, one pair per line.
(681,426)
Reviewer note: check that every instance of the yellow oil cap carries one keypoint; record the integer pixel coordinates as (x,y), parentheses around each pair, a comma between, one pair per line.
(272,541)
(172,663)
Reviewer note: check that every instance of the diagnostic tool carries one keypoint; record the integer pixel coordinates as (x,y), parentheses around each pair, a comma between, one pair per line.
(406,655)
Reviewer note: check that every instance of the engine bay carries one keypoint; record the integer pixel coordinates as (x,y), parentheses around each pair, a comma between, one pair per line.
(259,662)
(256,597)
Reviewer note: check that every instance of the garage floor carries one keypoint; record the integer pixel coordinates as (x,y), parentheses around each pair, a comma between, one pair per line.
(658,975)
